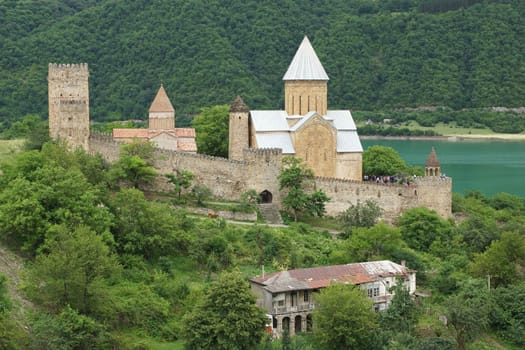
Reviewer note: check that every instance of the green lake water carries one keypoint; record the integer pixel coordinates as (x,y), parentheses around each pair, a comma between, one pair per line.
(488,166)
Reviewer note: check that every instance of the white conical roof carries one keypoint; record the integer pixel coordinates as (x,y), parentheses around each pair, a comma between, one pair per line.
(305,64)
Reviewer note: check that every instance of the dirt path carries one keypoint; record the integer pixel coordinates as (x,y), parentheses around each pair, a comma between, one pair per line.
(494,342)
(11,265)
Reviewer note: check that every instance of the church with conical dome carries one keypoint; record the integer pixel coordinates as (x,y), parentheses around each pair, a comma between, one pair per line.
(326,140)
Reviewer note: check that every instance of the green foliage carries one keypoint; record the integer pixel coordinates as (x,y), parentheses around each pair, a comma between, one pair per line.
(201,193)
(67,331)
(130,305)
(503,260)
(147,228)
(134,166)
(402,313)
(508,317)
(181,180)
(420,227)
(359,215)
(467,313)
(42,189)
(384,161)
(226,318)
(71,270)
(211,127)
(208,57)
(295,180)
(345,318)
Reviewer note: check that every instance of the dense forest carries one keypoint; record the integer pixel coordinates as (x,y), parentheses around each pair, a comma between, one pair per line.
(379,54)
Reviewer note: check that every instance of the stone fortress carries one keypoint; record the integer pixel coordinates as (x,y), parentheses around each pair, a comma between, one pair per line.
(327,141)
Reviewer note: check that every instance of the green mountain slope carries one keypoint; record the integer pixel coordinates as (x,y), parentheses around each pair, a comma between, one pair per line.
(378,54)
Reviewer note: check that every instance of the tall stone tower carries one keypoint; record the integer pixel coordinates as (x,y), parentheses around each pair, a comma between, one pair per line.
(239,129)
(161,112)
(68,96)
(305,83)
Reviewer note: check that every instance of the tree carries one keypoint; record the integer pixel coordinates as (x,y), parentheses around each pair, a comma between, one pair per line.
(226,318)
(181,180)
(201,193)
(71,270)
(467,314)
(402,313)
(344,319)
(295,178)
(67,331)
(211,127)
(147,228)
(502,261)
(385,161)
(359,215)
(135,164)
(420,227)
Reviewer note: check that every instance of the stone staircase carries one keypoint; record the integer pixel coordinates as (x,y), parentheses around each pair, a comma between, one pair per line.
(270,213)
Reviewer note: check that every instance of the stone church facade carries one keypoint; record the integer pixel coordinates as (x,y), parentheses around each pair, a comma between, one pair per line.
(326,140)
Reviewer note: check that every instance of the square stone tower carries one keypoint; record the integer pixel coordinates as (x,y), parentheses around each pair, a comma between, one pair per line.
(68,93)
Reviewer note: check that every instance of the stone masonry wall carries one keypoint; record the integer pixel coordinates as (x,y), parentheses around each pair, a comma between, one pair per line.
(260,168)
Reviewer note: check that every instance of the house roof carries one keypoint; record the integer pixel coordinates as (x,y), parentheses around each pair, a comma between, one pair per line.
(305,64)
(161,102)
(323,276)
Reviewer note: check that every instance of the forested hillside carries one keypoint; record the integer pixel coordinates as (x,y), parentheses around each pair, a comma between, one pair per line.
(379,54)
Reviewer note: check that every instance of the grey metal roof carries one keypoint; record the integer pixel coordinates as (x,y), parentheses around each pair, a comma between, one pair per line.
(269,120)
(342,119)
(348,141)
(305,64)
(276,139)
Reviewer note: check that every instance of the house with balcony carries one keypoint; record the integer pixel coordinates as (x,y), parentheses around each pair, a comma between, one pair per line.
(287,295)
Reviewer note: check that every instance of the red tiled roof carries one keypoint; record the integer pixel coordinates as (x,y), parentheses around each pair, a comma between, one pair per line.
(130,133)
(185,132)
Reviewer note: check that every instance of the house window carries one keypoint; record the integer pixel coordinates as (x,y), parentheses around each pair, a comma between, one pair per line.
(280,303)
(373,290)
(306,296)
(293,301)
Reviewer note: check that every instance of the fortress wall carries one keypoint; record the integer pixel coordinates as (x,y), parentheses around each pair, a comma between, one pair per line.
(104,144)
(394,199)
(262,170)
(225,178)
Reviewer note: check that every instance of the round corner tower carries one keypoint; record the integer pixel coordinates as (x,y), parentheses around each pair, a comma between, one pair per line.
(68,93)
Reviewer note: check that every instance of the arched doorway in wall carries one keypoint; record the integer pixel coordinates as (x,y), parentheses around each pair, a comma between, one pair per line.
(266,196)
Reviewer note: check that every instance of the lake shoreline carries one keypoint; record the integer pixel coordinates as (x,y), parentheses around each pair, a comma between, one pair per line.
(451,138)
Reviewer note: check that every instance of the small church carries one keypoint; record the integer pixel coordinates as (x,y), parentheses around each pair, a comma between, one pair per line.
(161,128)
(326,140)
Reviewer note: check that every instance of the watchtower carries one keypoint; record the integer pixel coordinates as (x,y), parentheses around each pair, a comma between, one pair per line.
(68,93)
(239,132)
